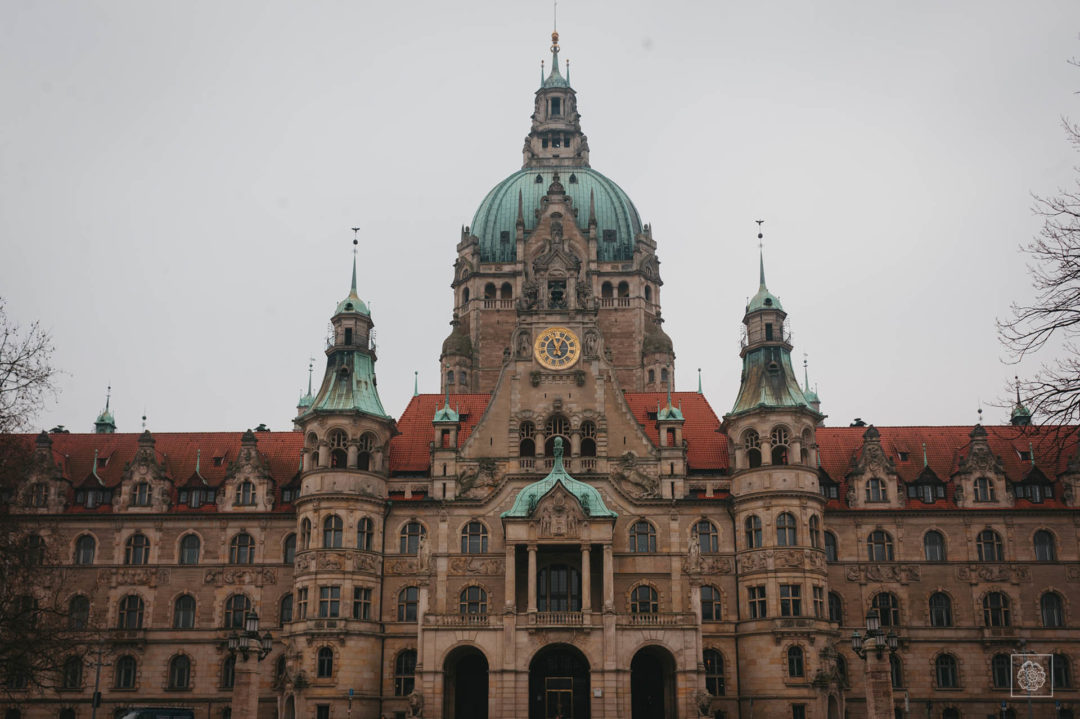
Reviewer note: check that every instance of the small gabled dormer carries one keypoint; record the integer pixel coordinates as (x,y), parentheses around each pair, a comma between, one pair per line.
(980,477)
(669,423)
(196,492)
(927,487)
(248,485)
(873,482)
(1034,486)
(145,487)
(444,449)
(45,491)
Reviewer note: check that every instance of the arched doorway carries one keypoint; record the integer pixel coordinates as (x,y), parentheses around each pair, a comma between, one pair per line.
(465,684)
(559,683)
(652,684)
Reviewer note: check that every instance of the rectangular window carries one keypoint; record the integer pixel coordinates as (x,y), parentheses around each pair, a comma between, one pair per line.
(798,711)
(329,601)
(819,602)
(756,596)
(322,711)
(556,141)
(556,106)
(361,607)
(790,600)
(768,330)
(301,603)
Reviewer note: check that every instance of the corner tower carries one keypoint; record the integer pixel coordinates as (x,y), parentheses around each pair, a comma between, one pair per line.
(778,512)
(557,210)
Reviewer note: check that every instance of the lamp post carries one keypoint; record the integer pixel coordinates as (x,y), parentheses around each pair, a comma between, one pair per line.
(872,649)
(242,645)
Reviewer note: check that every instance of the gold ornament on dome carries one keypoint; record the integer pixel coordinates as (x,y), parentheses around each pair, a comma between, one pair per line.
(557,348)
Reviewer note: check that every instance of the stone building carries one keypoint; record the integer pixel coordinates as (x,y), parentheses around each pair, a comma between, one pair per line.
(558,533)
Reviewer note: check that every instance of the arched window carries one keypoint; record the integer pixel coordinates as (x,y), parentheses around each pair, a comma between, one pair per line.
(78,612)
(815,531)
(473,600)
(305,533)
(465,295)
(137,549)
(989,546)
(888,607)
(365,448)
(785,530)
(1051,608)
(325,663)
(339,453)
(71,676)
(588,439)
(714,672)
(85,547)
(753,531)
(830,547)
(652,376)
(996,610)
(285,609)
(663,375)
(779,440)
(945,671)
(506,292)
(236,608)
(140,495)
(896,671)
(642,537)
(404,672)
(489,291)
(711,609)
(836,608)
(875,490)
(624,289)
(332,532)
(228,672)
(526,443)
(410,537)
(984,490)
(179,672)
(131,612)
(934,546)
(1044,546)
(406,604)
(879,546)
(1060,670)
(125,672)
(795,662)
(288,554)
(189,549)
(644,600)
(245,494)
(557,426)
(365,531)
(474,538)
(708,539)
(1001,670)
(752,445)
(648,293)
(242,549)
(184,612)
(940,610)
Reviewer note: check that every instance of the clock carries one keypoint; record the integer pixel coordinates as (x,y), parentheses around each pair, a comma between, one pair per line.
(557,348)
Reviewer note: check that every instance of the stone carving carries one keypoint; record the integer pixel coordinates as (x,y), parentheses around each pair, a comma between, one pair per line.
(632,480)
(365,562)
(788,558)
(703,701)
(530,298)
(331,562)
(979,457)
(401,566)
(590,343)
(416,705)
(479,481)
(141,577)
(902,573)
(1072,573)
(257,577)
(558,519)
(583,294)
(475,565)
(975,573)
(423,555)
(693,562)
(524,343)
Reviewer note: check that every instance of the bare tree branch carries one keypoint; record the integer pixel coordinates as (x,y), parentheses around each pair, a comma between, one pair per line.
(26,373)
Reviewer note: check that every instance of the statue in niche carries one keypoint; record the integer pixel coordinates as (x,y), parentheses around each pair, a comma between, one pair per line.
(693,552)
(583,294)
(523,346)
(591,341)
(531,296)
(423,554)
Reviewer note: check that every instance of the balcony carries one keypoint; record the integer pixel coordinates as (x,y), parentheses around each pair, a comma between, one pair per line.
(668,619)
(557,619)
(457,620)
(527,464)
(588,464)
(493,304)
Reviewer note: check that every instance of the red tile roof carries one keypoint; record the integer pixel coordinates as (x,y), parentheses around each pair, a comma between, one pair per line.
(706,449)
(410,450)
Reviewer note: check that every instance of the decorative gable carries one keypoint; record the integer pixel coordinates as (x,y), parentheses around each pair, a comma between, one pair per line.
(873,482)
(980,476)
(144,485)
(558,514)
(248,484)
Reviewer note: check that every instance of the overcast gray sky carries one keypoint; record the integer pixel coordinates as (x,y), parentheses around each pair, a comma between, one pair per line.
(177,180)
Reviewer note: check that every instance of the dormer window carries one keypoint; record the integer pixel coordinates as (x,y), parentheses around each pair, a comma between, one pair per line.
(768,302)
(609,236)
(875,491)
(245,494)
(1025,456)
(556,107)
(984,490)
(903,456)
(102,462)
(218,461)
(504,237)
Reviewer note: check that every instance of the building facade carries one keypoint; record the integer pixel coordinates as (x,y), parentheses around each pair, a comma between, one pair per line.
(558,533)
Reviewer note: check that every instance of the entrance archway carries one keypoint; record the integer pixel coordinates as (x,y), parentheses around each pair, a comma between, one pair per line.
(559,683)
(652,684)
(465,684)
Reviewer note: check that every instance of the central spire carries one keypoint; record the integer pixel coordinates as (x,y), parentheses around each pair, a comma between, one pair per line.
(555,139)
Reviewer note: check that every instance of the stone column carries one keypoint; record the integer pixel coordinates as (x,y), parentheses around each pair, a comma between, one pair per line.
(354,453)
(538,438)
(586,578)
(609,579)
(245,693)
(879,690)
(532,578)
(575,443)
(511,577)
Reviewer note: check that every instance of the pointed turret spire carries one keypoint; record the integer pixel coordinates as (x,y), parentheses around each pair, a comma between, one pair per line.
(1021,416)
(416,383)
(105,424)
(699,380)
(353,303)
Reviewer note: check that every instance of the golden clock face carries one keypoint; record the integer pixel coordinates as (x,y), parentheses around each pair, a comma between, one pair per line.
(557,348)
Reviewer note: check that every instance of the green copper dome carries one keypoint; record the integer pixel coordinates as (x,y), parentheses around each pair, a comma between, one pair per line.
(352,303)
(617,220)
(587,496)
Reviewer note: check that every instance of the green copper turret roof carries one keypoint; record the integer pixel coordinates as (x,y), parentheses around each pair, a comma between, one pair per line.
(446,414)
(349,385)
(763,300)
(590,500)
(353,303)
(555,79)
(768,381)
(105,423)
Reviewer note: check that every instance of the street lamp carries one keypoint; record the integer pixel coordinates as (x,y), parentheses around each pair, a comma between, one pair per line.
(875,639)
(248,641)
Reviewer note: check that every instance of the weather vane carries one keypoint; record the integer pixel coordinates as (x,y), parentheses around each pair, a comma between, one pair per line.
(355,241)
(760,243)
